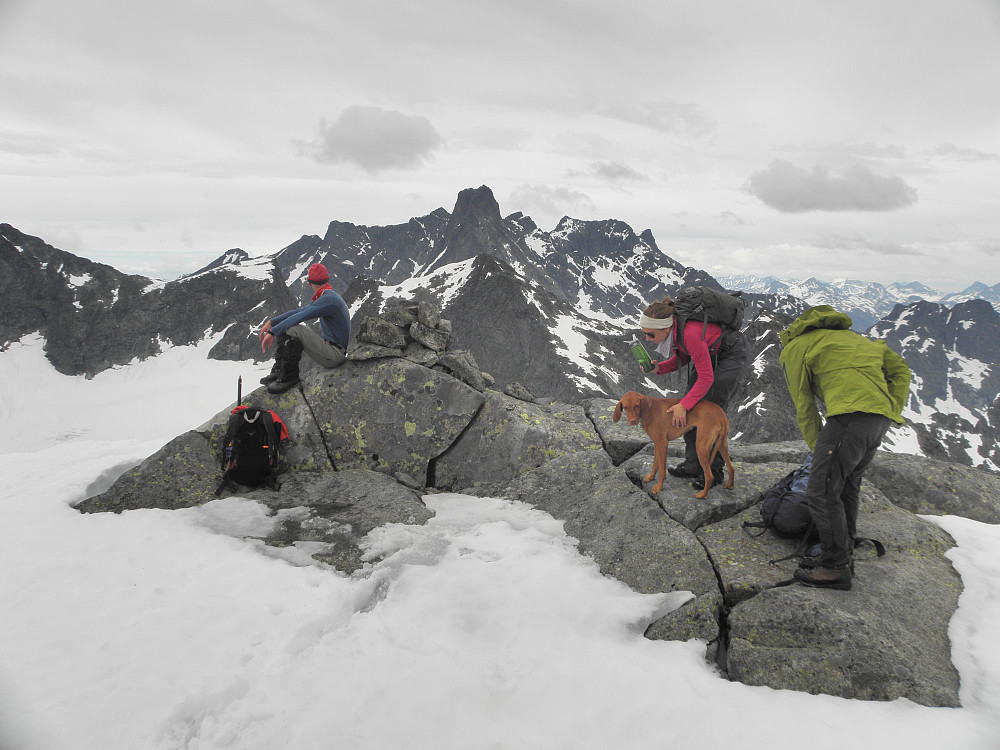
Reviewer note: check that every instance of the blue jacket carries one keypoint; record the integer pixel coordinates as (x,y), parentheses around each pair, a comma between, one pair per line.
(330,308)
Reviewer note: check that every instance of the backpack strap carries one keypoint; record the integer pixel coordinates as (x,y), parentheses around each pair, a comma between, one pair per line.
(879,547)
(755,525)
(801,547)
(225,484)
(227,441)
(273,438)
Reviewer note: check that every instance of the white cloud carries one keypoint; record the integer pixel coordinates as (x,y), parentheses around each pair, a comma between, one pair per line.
(962,153)
(792,189)
(374,139)
(615,172)
(666,115)
(547,204)
(858,242)
(730,218)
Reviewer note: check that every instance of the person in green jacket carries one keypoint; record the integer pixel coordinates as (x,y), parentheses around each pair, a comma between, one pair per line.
(864,385)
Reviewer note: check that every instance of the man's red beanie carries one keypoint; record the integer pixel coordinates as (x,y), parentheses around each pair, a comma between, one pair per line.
(318,274)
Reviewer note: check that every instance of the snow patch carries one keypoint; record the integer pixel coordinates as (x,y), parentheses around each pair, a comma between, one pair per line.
(483,627)
(40,407)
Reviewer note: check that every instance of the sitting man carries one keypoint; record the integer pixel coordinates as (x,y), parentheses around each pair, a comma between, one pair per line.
(864,385)
(328,349)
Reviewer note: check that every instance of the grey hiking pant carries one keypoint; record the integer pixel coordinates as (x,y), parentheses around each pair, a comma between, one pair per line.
(729,371)
(321,351)
(845,447)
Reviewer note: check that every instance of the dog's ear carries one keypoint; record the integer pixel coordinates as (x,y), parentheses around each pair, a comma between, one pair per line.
(617,413)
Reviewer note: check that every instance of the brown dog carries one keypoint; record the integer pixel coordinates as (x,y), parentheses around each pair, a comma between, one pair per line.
(652,413)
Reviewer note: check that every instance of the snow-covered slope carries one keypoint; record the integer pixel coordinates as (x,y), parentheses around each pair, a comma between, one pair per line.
(954,355)
(483,627)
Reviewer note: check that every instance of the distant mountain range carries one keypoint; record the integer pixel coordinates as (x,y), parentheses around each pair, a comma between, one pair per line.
(865,301)
(554,311)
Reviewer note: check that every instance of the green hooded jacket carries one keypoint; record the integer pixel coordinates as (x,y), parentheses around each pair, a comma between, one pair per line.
(822,358)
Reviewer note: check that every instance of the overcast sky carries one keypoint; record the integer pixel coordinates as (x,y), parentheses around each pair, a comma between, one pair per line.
(799,138)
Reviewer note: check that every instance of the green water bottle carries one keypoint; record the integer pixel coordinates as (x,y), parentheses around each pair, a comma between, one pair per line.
(641,355)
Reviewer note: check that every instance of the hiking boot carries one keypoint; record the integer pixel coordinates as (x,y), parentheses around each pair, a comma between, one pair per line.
(811,559)
(273,376)
(718,477)
(280,386)
(835,577)
(684,470)
(286,364)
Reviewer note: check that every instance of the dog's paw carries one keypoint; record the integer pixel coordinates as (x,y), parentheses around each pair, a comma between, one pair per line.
(649,477)
(656,488)
(701,495)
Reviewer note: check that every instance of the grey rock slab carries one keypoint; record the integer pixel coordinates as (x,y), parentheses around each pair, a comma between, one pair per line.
(183,473)
(463,366)
(925,485)
(187,470)
(381,332)
(389,415)
(518,391)
(620,441)
(885,638)
(362,352)
(416,352)
(742,555)
(432,338)
(508,437)
(677,498)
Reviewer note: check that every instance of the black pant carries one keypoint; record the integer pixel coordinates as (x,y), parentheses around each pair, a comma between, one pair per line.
(845,447)
(729,371)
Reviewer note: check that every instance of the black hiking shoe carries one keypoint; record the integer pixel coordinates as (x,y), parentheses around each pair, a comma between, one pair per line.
(684,470)
(718,477)
(270,378)
(812,556)
(838,577)
(813,562)
(280,386)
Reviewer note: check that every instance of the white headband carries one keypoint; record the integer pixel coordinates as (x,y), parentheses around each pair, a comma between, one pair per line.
(658,323)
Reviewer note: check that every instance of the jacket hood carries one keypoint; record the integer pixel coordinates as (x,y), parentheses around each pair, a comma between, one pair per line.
(821,316)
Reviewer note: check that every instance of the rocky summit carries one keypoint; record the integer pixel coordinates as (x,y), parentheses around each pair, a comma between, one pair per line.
(408,415)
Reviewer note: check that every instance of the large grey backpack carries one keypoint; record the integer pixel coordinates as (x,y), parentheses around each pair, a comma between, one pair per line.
(709,305)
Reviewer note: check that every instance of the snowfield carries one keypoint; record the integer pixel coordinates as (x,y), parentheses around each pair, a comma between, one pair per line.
(484,628)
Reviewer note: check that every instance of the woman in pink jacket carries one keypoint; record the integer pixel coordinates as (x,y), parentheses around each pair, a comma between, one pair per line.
(718,371)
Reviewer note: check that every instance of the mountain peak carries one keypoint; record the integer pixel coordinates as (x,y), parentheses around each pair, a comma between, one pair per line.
(478,201)
(476,226)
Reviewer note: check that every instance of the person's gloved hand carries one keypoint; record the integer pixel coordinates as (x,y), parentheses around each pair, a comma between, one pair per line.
(266,340)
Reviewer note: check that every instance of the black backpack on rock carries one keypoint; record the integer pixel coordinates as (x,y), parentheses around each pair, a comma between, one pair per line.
(784,510)
(710,306)
(250,448)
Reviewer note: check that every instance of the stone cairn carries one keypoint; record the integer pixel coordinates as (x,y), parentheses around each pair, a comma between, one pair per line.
(417,332)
